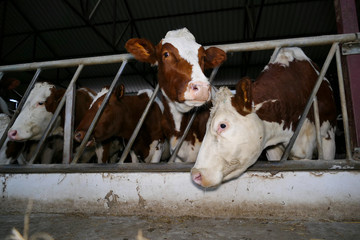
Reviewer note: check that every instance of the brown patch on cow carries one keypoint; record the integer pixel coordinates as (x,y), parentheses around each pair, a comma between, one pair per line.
(294,85)
(242,100)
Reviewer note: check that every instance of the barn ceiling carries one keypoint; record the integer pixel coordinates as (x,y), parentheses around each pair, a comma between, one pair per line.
(44,30)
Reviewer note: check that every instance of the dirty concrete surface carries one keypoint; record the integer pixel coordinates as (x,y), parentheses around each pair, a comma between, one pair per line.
(63,226)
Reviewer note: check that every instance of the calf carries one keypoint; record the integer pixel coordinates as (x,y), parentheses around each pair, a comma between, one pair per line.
(181,62)
(265,114)
(120,118)
(39,109)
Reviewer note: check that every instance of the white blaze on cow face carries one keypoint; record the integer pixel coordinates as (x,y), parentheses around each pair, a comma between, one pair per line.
(33,118)
(232,143)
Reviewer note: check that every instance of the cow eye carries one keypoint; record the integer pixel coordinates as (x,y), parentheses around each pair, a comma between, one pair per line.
(40,103)
(166,54)
(223,126)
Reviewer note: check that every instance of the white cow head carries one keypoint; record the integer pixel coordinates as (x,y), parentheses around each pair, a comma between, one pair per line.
(234,137)
(34,117)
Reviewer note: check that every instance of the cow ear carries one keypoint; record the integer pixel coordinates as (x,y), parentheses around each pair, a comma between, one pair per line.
(214,57)
(119,91)
(142,49)
(243,96)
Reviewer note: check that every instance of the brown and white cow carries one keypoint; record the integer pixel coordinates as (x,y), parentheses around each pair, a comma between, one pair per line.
(120,118)
(181,62)
(265,114)
(39,109)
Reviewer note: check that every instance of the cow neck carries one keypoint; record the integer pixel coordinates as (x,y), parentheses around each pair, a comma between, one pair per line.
(128,112)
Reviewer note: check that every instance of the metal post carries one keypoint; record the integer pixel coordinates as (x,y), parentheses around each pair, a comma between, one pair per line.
(178,145)
(22,102)
(56,114)
(343,104)
(317,128)
(69,125)
(310,101)
(98,114)
(138,126)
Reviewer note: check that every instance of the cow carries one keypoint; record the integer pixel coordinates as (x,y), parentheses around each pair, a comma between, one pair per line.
(181,63)
(263,115)
(39,109)
(120,118)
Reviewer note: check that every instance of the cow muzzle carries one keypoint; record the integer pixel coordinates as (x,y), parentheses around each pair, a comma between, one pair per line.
(203,178)
(198,91)
(80,135)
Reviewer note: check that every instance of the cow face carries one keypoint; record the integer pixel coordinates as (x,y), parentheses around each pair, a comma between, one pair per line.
(104,128)
(234,138)
(34,116)
(181,62)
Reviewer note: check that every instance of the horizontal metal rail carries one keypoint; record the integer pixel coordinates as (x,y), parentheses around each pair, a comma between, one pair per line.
(259,166)
(236,47)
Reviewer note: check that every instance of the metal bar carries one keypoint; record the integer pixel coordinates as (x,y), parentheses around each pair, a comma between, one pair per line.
(180,142)
(56,114)
(68,63)
(69,125)
(310,101)
(343,104)
(82,146)
(274,55)
(305,41)
(260,166)
(138,126)
(21,104)
(94,10)
(236,47)
(317,127)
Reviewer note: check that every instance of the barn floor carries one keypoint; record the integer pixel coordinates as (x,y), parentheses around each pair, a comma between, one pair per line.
(61,226)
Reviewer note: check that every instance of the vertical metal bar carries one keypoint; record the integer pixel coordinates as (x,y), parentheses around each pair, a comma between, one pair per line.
(138,126)
(343,104)
(180,142)
(317,128)
(275,54)
(329,57)
(56,114)
(82,146)
(69,125)
(94,10)
(21,104)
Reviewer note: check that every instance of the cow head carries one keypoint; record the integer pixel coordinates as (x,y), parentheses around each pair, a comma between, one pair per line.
(35,114)
(104,128)
(234,137)
(181,63)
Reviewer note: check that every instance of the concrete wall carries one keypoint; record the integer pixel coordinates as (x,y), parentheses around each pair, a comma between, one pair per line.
(333,195)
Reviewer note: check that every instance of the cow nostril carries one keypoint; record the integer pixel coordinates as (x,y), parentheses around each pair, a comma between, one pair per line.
(78,136)
(197,177)
(12,133)
(195,88)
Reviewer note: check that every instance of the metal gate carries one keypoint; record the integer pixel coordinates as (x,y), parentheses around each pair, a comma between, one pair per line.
(283,165)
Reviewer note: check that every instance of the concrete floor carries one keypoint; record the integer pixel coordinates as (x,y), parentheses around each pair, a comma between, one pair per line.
(70,227)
